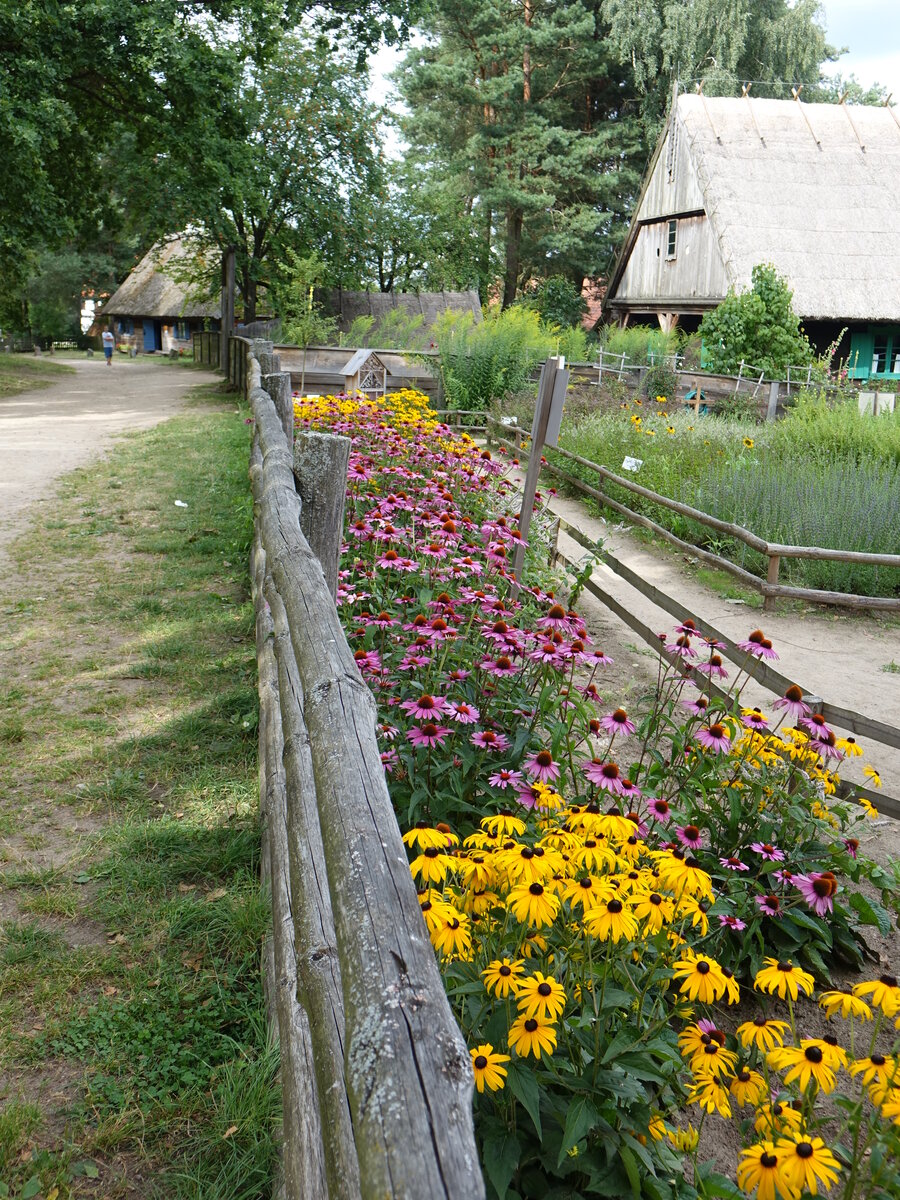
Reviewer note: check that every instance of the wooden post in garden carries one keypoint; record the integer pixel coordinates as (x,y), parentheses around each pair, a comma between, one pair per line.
(320,473)
(547,417)
(278,385)
(772,577)
(772,408)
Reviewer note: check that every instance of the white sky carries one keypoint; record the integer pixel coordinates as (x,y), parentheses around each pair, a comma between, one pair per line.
(870,29)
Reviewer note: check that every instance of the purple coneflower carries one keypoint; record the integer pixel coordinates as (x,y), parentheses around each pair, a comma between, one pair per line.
(412,660)
(826,745)
(458,676)
(757,645)
(767,851)
(618,723)
(546,653)
(729,922)
(501,666)
(714,737)
(388,760)
(792,700)
(770,905)
(698,707)
(818,891)
(852,845)
(556,618)
(682,647)
(463,713)
(605,775)
(505,778)
(659,810)
(689,628)
(487,739)
(690,836)
(713,668)
(388,732)
(754,719)
(630,791)
(816,724)
(428,735)
(598,658)
(636,819)
(541,766)
(733,863)
(783,876)
(426,707)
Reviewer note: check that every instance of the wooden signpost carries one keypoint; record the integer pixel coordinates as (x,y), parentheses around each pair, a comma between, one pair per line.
(544,432)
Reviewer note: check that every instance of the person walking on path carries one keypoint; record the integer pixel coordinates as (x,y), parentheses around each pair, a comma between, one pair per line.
(109,344)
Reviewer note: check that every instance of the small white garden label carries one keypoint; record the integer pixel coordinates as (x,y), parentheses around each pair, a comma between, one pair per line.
(632,464)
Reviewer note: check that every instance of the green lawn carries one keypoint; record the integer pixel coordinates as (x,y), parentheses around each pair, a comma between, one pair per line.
(23,372)
(133,1050)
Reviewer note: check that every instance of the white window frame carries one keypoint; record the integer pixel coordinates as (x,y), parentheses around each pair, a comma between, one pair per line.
(671,239)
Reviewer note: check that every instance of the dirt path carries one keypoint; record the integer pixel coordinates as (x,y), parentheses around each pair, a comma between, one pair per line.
(45,433)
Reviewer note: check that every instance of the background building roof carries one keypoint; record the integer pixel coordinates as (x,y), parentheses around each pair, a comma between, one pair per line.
(151,291)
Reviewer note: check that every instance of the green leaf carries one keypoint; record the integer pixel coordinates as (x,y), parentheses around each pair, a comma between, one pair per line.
(580,1120)
(501,1158)
(524,1086)
(870,912)
(621,1042)
(615,997)
(714,1184)
(629,1162)
(31,1188)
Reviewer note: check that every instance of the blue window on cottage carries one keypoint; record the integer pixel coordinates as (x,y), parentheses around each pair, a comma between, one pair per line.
(125,326)
(874,353)
(182,331)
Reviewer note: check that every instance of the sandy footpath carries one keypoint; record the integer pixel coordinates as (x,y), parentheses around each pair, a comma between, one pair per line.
(45,433)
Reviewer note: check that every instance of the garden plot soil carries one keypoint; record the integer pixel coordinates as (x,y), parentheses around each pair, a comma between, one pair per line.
(45,433)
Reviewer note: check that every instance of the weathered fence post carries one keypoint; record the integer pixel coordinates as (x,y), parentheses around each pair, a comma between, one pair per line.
(772,407)
(320,473)
(278,386)
(772,578)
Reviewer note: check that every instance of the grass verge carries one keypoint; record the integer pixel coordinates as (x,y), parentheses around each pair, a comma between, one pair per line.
(25,372)
(133,1050)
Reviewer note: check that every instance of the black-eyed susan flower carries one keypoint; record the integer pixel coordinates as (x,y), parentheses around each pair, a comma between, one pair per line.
(653,909)
(747,1087)
(868,808)
(880,1069)
(531,1035)
(585,891)
(804,1064)
(884,991)
(763,1033)
(488,1067)
(713,1059)
(777,1118)
(436,911)
(762,1170)
(711,1095)
(808,1163)
(701,978)
(454,938)
(432,865)
(423,836)
(541,996)
(502,976)
(695,911)
(872,775)
(657,1127)
(503,823)
(782,978)
(749,443)
(695,1036)
(685,1140)
(533,904)
(534,944)
(611,920)
(683,875)
(845,1004)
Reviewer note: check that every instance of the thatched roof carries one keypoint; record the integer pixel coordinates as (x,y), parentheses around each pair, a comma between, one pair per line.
(347,306)
(811,188)
(151,291)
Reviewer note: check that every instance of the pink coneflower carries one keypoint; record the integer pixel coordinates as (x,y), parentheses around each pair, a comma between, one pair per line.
(630,791)
(547,653)
(767,851)
(605,775)
(463,713)
(459,676)
(770,905)
(425,708)
(682,647)
(714,737)
(541,766)
(487,739)
(618,723)
(852,845)
(528,796)
(502,666)
(659,810)
(816,724)
(729,922)
(598,658)
(754,719)
(637,820)
(388,732)
(505,778)
(783,876)
(792,700)
(713,668)
(826,745)
(698,707)
(818,890)
(368,661)
(733,863)
(556,618)
(688,627)
(690,836)
(500,632)
(428,735)
(413,660)
(389,760)
(757,645)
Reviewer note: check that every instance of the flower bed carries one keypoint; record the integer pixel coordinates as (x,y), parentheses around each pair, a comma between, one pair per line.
(631,913)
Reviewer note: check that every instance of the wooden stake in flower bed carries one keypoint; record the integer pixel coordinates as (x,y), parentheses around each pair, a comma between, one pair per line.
(544,432)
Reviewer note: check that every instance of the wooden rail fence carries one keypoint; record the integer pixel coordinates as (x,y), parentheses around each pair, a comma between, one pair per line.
(376,1079)
(769,588)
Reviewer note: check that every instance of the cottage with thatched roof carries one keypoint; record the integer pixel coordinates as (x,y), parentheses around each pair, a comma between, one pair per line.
(812,188)
(157,308)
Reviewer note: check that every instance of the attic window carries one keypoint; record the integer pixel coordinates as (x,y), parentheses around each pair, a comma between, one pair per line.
(671,239)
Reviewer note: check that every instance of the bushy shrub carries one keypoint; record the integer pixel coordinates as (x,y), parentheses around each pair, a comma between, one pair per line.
(758,327)
(660,380)
(558,302)
(639,342)
(817,428)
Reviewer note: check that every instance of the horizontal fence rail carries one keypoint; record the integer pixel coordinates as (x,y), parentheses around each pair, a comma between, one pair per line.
(769,588)
(376,1078)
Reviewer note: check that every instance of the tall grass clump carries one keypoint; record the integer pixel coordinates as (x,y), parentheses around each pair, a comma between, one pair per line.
(813,426)
(639,342)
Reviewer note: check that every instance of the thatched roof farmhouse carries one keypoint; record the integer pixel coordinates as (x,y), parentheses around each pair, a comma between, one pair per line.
(812,188)
(154,308)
